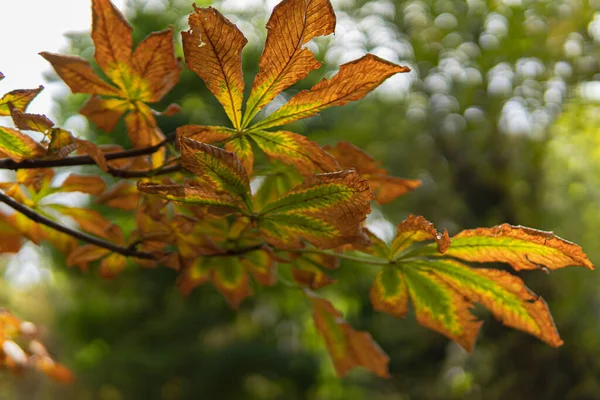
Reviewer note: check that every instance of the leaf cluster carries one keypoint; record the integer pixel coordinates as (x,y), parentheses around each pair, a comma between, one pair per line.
(205,208)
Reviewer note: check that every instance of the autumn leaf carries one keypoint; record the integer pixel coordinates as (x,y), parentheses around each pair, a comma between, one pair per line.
(296,150)
(198,195)
(348,348)
(122,195)
(19,99)
(31,122)
(353,81)
(521,247)
(140,76)
(417,229)
(284,60)
(19,146)
(443,290)
(385,187)
(213,50)
(326,210)
(217,167)
(308,269)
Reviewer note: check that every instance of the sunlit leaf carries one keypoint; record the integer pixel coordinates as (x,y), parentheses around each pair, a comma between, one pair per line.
(31,122)
(354,80)
(154,61)
(326,210)
(205,134)
(296,150)
(348,348)
(243,150)
(218,167)
(78,75)
(19,146)
(111,34)
(19,99)
(522,248)
(416,229)
(213,50)
(284,60)
(112,265)
(190,194)
(105,113)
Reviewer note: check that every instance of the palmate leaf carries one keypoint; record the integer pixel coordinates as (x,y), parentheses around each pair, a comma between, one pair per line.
(213,49)
(443,289)
(348,348)
(140,76)
(326,211)
(284,61)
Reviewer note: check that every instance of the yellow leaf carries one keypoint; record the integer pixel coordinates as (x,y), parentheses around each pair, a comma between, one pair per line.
(105,113)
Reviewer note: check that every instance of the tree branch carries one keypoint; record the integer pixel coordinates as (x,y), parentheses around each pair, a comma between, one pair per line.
(34,216)
(7,163)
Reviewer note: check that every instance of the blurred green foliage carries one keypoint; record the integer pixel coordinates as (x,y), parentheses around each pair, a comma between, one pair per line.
(498,119)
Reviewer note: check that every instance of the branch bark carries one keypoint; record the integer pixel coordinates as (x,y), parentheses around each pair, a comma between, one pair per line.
(7,163)
(34,216)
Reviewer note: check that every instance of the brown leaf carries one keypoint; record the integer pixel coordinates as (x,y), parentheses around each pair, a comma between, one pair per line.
(348,348)
(91,184)
(154,61)
(122,195)
(105,113)
(78,75)
(417,229)
(111,34)
(213,50)
(30,122)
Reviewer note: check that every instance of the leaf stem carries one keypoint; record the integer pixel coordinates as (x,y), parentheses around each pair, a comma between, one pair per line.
(339,255)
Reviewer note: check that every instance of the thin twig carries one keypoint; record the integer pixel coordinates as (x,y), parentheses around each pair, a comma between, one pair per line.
(121,173)
(8,163)
(34,216)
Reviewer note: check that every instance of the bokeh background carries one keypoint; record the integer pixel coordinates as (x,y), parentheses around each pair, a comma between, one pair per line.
(499,118)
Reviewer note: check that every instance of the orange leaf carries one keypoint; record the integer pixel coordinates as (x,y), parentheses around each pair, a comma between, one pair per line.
(85,254)
(354,80)
(111,34)
(122,195)
(154,61)
(30,122)
(112,265)
(213,50)
(19,146)
(83,183)
(105,113)
(143,132)
(284,61)
(78,75)
(89,148)
(417,229)
(205,134)
(10,237)
(522,248)
(348,348)
(386,188)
